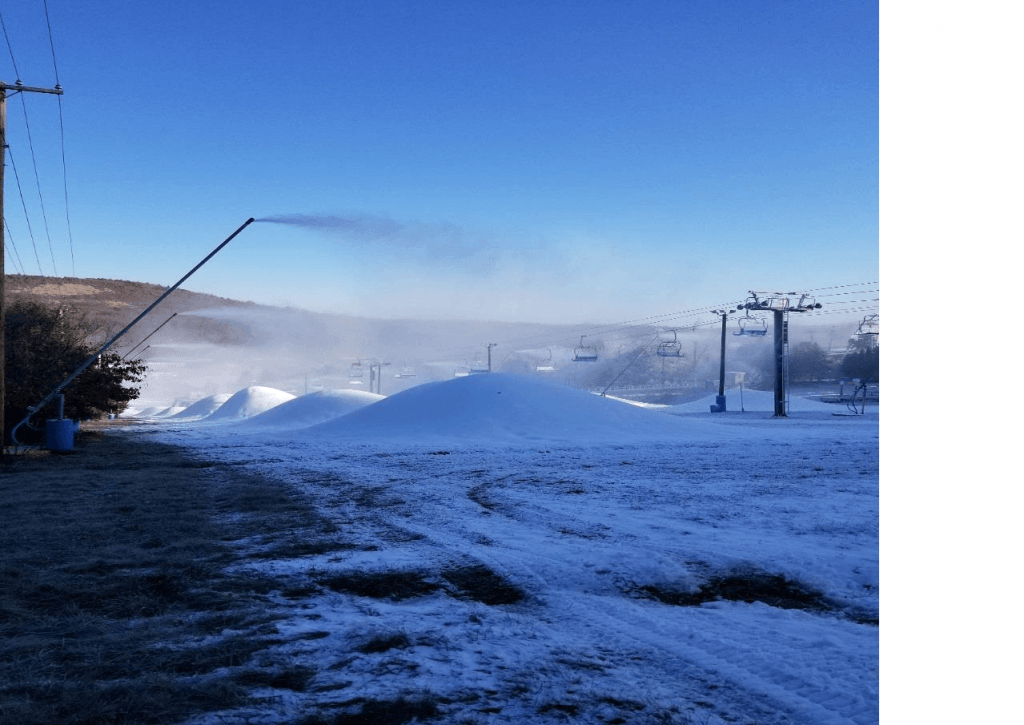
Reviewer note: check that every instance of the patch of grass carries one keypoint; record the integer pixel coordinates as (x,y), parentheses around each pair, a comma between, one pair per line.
(301,591)
(115,602)
(387,584)
(568,708)
(384,643)
(298,548)
(480,584)
(774,590)
(296,679)
(478,495)
(381,712)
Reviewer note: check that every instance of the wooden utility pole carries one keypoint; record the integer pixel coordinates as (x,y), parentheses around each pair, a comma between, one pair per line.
(4,87)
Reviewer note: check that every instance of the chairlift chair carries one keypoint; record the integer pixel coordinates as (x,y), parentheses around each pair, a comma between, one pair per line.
(670,349)
(868,326)
(546,366)
(585,353)
(407,371)
(462,371)
(355,374)
(751,326)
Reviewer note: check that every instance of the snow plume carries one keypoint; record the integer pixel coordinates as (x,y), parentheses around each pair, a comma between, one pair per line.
(425,242)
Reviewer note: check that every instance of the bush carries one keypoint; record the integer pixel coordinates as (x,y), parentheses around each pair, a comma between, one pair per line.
(43,346)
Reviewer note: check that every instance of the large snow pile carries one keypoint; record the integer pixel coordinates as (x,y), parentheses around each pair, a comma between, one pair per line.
(144,413)
(308,410)
(168,412)
(204,407)
(249,402)
(503,408)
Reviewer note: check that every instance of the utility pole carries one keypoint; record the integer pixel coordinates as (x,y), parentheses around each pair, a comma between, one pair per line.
(489,346)
(4,87)
(779,334)
(719,406)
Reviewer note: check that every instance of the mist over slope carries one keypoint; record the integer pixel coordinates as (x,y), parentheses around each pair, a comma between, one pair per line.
(197,345)
(214,345)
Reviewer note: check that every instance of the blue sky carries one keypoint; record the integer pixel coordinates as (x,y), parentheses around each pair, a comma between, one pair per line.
(547,161)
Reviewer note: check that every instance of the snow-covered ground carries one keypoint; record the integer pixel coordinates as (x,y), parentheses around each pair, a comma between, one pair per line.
(676,565)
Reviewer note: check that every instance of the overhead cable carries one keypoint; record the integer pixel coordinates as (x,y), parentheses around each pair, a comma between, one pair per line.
(63,159)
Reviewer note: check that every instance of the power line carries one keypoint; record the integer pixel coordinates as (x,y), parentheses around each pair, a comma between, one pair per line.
(39,188)
(14,247)
(63,159)
(9,48)
(28,223)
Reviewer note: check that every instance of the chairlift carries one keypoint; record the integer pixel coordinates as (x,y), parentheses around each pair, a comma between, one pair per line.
(868,326)
(407,371)
(670,349)
(546,366)
(751,326)
(355,374)
(478,367)
(585,353)
(462,371)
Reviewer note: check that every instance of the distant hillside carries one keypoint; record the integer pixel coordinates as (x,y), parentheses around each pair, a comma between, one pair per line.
(113,303)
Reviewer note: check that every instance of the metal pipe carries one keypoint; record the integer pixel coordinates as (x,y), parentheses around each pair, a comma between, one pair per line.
(56,391)
(150,334)
(780,361)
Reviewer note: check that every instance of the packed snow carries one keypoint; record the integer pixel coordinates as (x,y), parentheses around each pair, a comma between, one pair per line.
(610,518)
(247,403)
(307,410)
(202,408)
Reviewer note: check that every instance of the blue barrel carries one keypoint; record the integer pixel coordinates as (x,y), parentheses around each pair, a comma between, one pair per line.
(60,435)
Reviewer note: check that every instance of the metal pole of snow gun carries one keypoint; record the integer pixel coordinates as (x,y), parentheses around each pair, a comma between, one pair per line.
(57,391)
(150,335)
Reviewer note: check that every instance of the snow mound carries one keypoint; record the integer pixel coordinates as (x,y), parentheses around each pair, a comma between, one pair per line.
(753,401)
(144,413)
(313,408)
(249,402)
(168,412)
(204,407)
(501,408)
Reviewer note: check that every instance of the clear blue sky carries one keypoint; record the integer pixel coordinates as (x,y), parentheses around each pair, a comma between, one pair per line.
(549,161)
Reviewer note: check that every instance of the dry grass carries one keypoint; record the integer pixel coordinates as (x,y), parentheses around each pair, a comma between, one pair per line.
(480,584)
(115,602)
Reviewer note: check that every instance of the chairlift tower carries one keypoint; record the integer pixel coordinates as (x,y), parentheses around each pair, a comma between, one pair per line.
(780,304)
(375,373)
(18,87)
